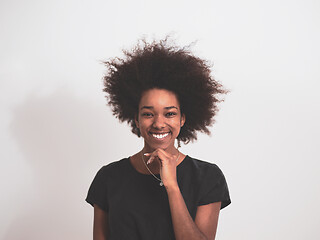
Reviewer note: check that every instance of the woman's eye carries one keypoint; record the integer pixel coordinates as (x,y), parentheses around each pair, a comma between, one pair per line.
(171,114)
(147,114)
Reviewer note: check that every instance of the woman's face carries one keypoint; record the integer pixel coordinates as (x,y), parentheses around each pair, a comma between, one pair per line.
(159,119)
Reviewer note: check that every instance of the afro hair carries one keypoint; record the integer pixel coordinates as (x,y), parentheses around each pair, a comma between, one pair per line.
(163,65)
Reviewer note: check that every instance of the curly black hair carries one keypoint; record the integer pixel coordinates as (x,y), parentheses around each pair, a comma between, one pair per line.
(163,65)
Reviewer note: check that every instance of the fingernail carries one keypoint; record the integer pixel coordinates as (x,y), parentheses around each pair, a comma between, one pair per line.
(146,154)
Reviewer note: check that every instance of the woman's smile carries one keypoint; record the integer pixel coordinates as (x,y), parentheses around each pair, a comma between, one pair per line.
(160,136)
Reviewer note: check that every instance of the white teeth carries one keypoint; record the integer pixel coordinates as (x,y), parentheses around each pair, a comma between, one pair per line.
(159,136)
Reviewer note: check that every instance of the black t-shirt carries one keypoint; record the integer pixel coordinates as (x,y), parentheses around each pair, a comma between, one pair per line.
(138,208)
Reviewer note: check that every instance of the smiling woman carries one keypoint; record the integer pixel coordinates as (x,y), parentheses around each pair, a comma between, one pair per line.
(165,94)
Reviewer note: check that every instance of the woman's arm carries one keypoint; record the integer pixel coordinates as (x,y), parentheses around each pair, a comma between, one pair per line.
(185,228)
(205,224)
(207,219)
(100,224)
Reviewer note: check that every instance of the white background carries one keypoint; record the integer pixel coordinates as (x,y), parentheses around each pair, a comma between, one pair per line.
(56,130)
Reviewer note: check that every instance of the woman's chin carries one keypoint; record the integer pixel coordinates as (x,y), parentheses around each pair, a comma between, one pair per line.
(164,146)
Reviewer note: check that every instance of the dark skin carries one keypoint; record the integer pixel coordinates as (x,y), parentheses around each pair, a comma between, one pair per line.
(159,121)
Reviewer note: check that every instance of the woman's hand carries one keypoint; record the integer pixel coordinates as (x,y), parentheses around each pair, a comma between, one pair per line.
(168,166)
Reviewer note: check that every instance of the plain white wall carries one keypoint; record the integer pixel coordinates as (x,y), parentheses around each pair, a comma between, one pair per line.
(56,130)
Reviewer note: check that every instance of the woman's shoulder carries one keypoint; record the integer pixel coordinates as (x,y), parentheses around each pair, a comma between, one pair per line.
(114,167)
(201,164)
(201,167)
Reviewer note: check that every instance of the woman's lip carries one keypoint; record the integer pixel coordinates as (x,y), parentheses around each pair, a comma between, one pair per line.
(159,132)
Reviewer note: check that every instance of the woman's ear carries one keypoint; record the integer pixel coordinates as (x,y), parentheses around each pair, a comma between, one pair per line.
(136,120)
(182,120)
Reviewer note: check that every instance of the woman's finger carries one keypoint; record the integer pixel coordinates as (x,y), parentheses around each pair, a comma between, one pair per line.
(154,155)
(165,155)
(150,160)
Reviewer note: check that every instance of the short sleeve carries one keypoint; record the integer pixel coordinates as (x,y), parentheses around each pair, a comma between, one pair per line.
(214,187)
(97,193)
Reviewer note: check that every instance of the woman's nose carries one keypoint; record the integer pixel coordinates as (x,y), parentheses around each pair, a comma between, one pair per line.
(159,122)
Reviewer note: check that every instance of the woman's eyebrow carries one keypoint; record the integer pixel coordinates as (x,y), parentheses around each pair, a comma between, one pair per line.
(147,107)
(151,107)
(170,107)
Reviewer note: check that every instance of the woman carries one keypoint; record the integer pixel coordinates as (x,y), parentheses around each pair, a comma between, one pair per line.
(165,93)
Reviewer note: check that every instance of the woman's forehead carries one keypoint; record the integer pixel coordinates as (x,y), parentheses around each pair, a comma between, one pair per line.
(159,98)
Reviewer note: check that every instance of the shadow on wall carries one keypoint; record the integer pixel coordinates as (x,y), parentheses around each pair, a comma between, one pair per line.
(61,137)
